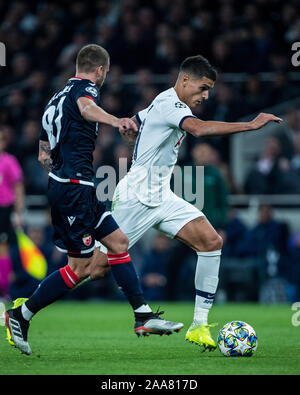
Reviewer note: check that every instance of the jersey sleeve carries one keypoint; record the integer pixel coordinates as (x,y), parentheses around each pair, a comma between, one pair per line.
(175,112)
(88,90)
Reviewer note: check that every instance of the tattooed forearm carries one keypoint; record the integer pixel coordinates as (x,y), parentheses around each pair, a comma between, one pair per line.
(45,155)
(45,147)
(47,164)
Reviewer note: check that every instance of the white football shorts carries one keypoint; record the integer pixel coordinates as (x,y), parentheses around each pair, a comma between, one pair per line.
(135,218)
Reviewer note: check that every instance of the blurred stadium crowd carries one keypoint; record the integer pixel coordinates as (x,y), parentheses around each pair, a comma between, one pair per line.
(147,40)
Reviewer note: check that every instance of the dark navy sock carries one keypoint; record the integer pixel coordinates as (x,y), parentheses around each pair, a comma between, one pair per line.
(52,288)
(127,279)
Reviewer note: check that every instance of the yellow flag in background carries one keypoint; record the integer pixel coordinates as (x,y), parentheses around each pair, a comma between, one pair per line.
(33,260)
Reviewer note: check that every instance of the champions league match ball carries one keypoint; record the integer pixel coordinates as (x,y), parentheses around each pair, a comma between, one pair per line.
(237,339)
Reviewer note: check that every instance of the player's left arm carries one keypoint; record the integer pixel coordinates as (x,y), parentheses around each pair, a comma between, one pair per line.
(129,135)
(45,155)
(199,128)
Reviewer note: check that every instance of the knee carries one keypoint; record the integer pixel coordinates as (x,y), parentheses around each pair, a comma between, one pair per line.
(219,243)
(120,245)
(214,243)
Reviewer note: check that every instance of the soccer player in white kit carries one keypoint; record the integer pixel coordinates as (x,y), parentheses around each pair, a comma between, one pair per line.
(143,198)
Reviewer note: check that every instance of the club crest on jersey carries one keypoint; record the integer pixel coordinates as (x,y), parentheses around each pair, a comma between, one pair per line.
(87,240)
(179,104)
(92,91)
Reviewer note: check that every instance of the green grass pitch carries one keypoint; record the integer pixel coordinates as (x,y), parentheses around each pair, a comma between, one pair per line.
(97,338)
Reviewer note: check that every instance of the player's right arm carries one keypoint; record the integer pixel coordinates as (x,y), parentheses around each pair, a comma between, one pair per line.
(199,128)
(91,112)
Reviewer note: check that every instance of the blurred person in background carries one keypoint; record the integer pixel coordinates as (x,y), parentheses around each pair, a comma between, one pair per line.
(132,44)
(262,44)
(288,132)
(186,41)
(233,233)
(255,96)
(112,102)
(291,270)
(267,243)
(272,173)
(215,188)
(143,80)
(115,85)
(293,123)
(15,102)
(153,272)
(11,202)
(10,138)
(222,55)
(281,88)
(295,162)
(20,68)
(28,143)
(69,52)
(166,56)
(36,180)
(268,233)
(36,90)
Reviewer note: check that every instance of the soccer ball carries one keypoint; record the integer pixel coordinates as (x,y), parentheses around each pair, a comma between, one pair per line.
(237,339)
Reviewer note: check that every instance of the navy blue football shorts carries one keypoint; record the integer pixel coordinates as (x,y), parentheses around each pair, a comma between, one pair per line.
(78,218)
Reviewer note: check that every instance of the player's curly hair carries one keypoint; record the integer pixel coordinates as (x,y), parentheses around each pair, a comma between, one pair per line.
(90,57)
(199,66)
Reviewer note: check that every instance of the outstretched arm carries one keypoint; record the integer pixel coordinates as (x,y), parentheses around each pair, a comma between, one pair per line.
(45,155)
(200,128)
(129,135)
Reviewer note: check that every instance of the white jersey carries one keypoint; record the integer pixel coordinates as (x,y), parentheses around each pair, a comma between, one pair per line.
(156,150)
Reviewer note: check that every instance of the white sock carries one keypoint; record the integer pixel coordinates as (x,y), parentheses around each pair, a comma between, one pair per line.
(206,282)
(200,315)
(26,313)
(145,308)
